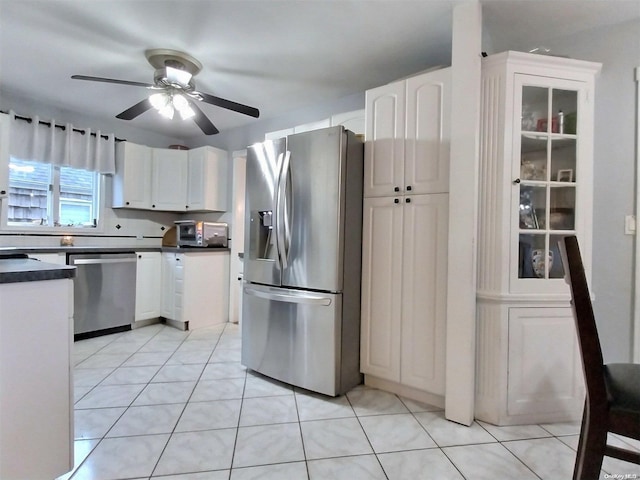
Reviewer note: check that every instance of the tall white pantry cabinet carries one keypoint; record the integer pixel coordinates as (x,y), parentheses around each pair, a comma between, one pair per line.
(405,233)
(536,155)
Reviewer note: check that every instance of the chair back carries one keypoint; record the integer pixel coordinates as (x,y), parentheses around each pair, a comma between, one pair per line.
(588,341)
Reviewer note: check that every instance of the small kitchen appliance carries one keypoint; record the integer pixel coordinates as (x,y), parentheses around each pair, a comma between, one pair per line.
(195,233)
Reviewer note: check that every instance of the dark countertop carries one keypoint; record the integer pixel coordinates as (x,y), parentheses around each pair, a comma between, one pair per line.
(194,249)
(14,270)
(28,250)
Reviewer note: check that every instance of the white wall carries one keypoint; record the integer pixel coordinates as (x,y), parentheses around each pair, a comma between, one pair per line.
(26,107)
(618,49)
(614,173)
(241,138)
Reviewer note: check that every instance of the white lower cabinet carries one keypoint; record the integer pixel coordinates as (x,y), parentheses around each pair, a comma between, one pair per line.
(543,369)
(404,279)
(171,268)
(148,284)
(195,288)
(528,368)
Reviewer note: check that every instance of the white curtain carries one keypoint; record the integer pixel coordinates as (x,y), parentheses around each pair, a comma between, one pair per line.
(37,142)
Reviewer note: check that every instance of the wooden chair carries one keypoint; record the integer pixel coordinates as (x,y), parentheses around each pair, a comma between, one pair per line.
(612,401)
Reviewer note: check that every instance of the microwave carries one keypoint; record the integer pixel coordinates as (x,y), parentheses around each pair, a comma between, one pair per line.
(192,233)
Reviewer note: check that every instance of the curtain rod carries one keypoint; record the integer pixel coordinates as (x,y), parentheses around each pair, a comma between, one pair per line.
(62,127)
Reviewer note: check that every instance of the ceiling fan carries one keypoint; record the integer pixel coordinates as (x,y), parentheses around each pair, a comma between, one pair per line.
(175,90)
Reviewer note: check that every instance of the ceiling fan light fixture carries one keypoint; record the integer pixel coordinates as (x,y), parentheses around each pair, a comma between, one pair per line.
(179,102)
(186,112)
(159,100)
(167,111)
(176,76)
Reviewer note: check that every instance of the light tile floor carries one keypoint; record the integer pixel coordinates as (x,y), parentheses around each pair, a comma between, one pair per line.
(161,403)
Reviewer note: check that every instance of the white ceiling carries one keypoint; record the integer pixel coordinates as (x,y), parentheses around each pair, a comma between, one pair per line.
(275,55)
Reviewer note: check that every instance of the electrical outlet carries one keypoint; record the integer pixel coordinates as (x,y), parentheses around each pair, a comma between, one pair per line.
(630,225)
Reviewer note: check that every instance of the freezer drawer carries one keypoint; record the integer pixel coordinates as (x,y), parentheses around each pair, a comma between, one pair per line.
(296,337)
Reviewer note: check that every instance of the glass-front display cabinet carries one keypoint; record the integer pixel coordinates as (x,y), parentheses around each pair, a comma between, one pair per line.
(547,175)
(536,164)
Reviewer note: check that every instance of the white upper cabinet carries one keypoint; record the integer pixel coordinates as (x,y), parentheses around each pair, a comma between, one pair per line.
(384,145)
(307,127)
(353,121)
(207,180)
(131,184)
(278,134)
(428,137)
(169,180)
(408,136)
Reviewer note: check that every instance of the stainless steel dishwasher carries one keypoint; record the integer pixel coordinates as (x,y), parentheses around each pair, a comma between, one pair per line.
(104,292)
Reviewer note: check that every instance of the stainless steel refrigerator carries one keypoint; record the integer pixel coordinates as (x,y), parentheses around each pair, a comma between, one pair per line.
(302,260)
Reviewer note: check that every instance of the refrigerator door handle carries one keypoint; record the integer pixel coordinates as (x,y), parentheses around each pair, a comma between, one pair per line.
(276,204)
(281,206)
(304,298)
(287,204)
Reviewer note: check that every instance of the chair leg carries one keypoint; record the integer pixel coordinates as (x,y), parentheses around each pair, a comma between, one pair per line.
(591,446)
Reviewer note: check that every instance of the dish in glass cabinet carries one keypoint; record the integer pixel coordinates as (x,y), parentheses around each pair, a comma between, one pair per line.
(537,260)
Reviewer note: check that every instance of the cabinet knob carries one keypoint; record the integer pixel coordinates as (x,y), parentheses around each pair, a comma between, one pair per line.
(516,181)
(408,188)
(139,256)
(396,189)
(396,200)
(3,192)
(127,203)
(153,206)
(186,206)
(407,200)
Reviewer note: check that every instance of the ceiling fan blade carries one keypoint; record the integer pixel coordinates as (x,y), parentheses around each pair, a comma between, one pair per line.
(137,109)
(202,121)
(110,80)
(229,105)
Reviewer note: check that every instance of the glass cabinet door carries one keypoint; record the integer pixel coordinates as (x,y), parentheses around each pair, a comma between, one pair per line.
(547,177)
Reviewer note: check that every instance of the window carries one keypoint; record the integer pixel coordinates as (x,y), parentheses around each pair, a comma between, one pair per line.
(41,194)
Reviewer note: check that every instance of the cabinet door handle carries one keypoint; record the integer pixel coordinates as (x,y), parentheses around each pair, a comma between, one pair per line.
(396,189)
(408,188)
(396,200)
(516,181)
(408,200)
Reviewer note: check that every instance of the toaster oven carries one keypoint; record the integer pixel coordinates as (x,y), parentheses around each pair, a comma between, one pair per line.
(193,233)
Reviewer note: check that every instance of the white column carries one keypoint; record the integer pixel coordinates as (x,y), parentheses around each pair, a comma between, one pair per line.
(465,123)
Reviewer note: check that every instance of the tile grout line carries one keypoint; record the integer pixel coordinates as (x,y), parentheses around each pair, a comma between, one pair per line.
(188,398)
(76,469)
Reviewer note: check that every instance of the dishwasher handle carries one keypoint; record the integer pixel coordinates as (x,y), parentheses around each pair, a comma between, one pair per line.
(100,261)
